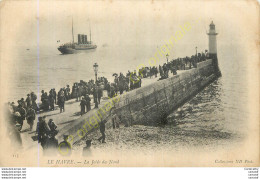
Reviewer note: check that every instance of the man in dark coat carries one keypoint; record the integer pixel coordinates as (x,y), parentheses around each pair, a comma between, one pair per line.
(100,93)
(54,95)
(42,96)
(34,104)
(95,94)
(28,101)
(88,106)
(30,117)
(46,103)
(42,130)
(82,106)
(61,100)
(68,92)
(51,100)
(80,92)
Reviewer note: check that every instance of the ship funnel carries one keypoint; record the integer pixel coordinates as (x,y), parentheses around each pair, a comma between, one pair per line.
(79,39)
(86,39)
(82,39)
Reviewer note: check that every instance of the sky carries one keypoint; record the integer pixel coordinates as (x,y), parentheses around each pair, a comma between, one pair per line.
(117,22)
(27,24)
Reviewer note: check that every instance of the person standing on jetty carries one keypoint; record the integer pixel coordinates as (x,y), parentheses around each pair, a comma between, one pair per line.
(75,91)
(46,102)
(99,93)
(82,106)
(102,131)
(51,100)
(30,116)
(34,104)
(95,93)
(42,96)
(54,95)
(68,92)
(88,106)
(22,113)
(61,100)
(80,91)
(28,100)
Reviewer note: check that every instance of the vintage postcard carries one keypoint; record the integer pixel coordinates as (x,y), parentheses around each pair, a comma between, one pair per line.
(129,83)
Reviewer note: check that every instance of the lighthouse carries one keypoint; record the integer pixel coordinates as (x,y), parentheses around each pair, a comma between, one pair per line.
(213,46)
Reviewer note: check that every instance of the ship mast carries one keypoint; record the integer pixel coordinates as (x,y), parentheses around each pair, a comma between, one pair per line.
(90,32)
(72,32)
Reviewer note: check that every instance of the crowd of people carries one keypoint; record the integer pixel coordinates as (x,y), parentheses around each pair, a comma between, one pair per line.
(28,108)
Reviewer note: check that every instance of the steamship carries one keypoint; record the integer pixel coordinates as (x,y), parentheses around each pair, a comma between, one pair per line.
(83,44)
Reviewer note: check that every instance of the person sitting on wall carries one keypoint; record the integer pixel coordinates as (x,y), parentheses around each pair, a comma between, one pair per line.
(42,130)
(53,127)
(51,144)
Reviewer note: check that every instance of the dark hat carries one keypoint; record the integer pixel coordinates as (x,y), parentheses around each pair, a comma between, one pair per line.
(22,99)
(28,94)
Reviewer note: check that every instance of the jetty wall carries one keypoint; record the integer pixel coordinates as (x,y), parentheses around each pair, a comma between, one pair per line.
(149,105)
